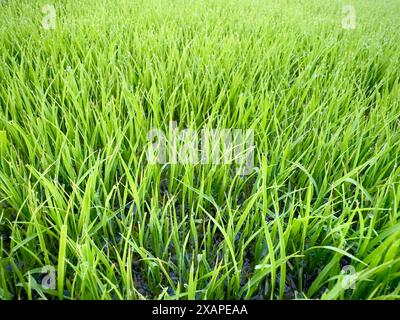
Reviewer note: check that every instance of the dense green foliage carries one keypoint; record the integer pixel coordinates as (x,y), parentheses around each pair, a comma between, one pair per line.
(76,190)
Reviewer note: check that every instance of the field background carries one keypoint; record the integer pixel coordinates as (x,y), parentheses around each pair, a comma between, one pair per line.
(77,193)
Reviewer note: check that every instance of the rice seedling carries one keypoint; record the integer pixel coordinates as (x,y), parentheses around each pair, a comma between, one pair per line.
(84,215)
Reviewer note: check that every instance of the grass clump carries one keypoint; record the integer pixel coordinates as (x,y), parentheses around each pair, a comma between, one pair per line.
(77,193)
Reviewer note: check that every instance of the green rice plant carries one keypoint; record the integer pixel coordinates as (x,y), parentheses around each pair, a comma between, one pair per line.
(85,215)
